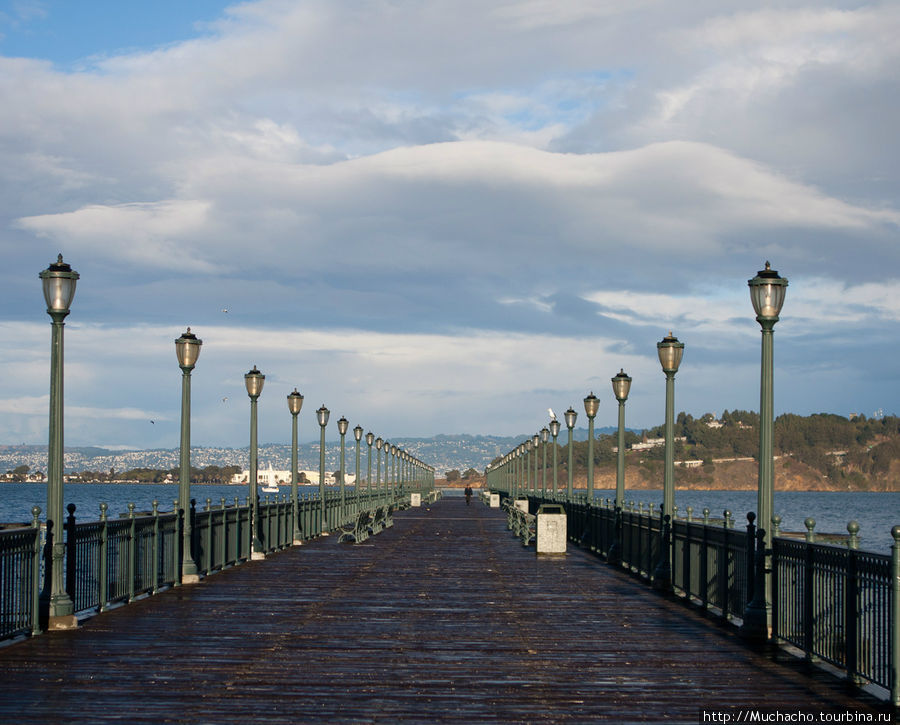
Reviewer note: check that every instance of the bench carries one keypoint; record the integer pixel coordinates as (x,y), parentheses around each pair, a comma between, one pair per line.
(389,517)
(359,529)
(522,524)
(378,524)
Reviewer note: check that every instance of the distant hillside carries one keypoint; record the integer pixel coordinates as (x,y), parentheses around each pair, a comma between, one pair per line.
(817,452)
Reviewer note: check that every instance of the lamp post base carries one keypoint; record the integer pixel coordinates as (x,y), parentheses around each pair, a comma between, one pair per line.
(63,621)
(190,578)
(297,542)
(257,556)
(756,627)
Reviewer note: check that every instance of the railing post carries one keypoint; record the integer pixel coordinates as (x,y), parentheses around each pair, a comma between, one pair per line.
(223,545)
(132,553)
(104,558)
(154,569)
(851,605)
(195,535)
(71,552)
(36,572)
(895,617)
(808,594)
(704,562)
(662,576)
(210,560)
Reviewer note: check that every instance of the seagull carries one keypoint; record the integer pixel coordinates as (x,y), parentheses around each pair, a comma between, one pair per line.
(153,422)
(225,400)
(552,414)
(225,310)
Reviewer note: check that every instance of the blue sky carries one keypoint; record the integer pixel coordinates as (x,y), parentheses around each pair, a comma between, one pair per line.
(441,217)
(71,33)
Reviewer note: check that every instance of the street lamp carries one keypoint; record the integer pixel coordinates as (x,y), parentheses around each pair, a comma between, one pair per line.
(187,350)
(295,403)
(554,431)
(535,442)
(767,292)
(621,384)
(545,436)
(342,425)
(529,484)
(357,434)
(56,607)
(571,417)
(378,444)
(254,381)
(370,439)
(670,351)
(591,405)
(322,417)
(393,469)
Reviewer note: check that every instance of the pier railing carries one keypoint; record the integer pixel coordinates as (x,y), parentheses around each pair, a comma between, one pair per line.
(834,603)
(110,561)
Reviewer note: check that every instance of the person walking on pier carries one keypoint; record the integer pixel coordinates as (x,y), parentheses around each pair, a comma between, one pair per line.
(468,494)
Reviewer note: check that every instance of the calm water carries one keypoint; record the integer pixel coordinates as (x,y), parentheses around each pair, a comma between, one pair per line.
(875,512)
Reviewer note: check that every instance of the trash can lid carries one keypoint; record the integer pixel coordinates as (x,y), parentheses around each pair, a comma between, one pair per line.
(550,508)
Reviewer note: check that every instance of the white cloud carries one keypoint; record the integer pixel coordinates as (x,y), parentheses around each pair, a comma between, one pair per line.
(156,234)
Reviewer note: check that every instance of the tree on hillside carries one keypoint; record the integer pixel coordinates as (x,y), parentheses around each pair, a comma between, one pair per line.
(470,473)
(452,475)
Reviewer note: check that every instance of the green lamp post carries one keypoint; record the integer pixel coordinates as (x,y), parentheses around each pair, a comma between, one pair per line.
(370,439)
(357,434)
(342,425)
(187,350)
(322,417)
(535,443)
(394,450)
(254,381)
(390,468)
(767,292)
(545,436)
(554,431)
(571,416)
(670,351)
(57,611)
(295,403)
(378,445)
(591,405)
(522,478)
(621,384)
(528,482)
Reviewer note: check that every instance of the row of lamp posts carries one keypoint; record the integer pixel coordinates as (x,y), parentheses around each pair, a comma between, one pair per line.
(767,293)
(57,609)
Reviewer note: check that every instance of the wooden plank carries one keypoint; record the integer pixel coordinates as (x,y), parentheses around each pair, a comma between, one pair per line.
(444,617)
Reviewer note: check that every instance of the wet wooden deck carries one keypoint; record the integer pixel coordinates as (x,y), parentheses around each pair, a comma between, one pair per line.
(444,617)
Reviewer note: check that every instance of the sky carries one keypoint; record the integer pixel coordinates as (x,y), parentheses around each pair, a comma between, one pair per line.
(444,216)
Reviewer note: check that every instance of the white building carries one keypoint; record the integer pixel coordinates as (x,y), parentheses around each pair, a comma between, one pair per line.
(271,477)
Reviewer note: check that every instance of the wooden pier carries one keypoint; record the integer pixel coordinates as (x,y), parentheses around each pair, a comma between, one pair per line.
(445,617)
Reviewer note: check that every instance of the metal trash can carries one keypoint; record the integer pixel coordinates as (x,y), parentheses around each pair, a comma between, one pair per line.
(551,529)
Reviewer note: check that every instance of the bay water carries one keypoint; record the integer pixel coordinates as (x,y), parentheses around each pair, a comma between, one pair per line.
(875,512)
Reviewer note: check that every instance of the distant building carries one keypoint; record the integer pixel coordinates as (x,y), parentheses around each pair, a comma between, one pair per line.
(271,477)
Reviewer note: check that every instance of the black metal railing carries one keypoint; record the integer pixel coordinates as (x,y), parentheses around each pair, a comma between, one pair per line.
(114,561)
(836,604)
